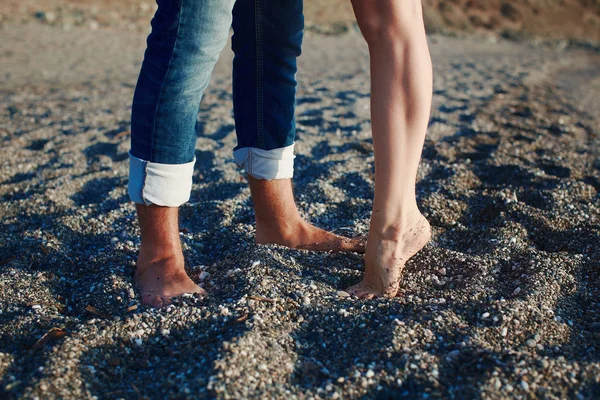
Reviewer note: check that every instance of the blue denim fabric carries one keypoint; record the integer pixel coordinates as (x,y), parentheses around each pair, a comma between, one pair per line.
(266,42)
(182,49)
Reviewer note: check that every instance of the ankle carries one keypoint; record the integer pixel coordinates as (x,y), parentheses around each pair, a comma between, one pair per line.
(159,263)
(284,231)
(165,256)
(397,227)
(160,247)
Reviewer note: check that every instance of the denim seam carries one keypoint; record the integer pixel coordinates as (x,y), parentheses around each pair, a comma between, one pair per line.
(259,75)
(143,185)
(250,168)
(162,85)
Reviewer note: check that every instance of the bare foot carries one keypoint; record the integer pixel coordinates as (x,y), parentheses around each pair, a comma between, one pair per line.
(159,276)
(385,258)
(304,236)
(278,221)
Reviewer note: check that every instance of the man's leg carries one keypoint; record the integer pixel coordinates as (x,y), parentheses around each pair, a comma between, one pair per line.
(267,41)
(187,37)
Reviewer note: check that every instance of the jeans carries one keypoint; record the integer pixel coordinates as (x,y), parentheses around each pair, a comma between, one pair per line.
(182,49)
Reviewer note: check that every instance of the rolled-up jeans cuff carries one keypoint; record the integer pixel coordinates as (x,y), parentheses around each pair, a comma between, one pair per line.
(266,164)
(168,185)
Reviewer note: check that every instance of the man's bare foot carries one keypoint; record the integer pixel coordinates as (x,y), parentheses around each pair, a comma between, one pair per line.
(278,221)
(304,236)
(159,276)
(160,272)
(386,255)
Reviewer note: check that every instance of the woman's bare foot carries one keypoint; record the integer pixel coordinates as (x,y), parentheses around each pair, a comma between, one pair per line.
(304,236)
(386,255)
(159,276)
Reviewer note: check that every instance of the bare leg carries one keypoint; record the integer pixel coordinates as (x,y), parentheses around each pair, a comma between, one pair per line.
(401,90)
(278,220)
(160,272)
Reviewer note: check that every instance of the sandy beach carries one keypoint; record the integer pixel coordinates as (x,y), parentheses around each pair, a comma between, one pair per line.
(503,303)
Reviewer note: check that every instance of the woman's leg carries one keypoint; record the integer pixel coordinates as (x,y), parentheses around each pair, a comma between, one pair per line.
(401,91)
(187,37)
(267,42)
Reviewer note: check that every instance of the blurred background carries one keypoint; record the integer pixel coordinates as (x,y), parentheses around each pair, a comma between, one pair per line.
(578,20)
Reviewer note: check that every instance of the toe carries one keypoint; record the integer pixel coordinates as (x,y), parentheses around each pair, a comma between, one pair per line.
(355,245)
(362,292)
(357,290)
(351,290)
(153,301)
(201,293)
